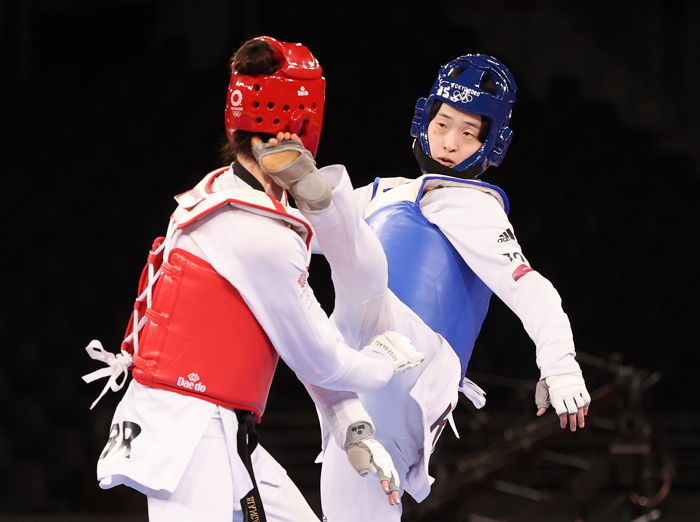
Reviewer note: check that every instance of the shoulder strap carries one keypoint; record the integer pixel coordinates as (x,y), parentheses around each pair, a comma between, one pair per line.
(431,181)
(386,191)
(202,200)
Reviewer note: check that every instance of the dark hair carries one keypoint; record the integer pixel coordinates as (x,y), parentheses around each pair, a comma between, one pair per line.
(253,58)
(488,85)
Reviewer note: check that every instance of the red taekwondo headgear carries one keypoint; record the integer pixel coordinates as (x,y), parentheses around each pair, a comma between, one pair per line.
(289,100)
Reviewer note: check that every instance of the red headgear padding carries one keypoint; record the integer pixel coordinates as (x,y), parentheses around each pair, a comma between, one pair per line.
(289,100)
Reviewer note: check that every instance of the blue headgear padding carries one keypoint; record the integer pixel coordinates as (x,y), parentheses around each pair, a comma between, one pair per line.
(427,273)
(460,84)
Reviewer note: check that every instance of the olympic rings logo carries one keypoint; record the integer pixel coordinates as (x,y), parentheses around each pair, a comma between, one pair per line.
(461,96)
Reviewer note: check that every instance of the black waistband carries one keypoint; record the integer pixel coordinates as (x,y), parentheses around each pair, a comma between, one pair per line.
(247,441)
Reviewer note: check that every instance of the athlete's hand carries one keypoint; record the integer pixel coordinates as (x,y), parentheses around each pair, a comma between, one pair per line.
(366,455)
(396,349)
(292,167)
(274,160)
(568,396)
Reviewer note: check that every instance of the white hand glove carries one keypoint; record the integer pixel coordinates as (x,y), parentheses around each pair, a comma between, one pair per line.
(366,454)
(395,348)
(566,393)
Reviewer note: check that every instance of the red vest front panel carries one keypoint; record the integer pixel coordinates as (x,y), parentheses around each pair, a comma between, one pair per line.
(198,337)
(201,339)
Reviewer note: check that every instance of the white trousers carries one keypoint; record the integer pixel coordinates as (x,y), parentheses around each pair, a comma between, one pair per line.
(365,307)
(205,492)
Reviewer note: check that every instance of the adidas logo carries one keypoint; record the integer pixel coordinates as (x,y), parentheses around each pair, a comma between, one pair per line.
(302,92)
(506,236)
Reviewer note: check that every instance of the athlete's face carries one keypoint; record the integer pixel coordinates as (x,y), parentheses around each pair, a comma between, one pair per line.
(453,135)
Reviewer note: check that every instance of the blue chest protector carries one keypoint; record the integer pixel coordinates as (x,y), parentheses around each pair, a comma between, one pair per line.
(427,273)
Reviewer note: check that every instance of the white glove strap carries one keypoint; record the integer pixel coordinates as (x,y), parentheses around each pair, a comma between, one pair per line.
(396,349)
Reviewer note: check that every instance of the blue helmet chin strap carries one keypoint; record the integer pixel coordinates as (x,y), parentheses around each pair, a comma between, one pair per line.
(429,166)
(478,84)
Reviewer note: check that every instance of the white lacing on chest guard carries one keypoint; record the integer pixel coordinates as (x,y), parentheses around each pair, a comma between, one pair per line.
(118,365)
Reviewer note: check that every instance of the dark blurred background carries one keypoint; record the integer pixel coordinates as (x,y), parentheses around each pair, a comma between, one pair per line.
(109,108)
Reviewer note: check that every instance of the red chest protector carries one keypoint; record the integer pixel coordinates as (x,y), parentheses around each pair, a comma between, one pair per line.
(195,334)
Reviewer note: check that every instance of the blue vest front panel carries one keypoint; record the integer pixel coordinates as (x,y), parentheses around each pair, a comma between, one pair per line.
(427,273)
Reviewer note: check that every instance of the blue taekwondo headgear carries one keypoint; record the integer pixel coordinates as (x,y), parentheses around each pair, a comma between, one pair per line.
(460,83)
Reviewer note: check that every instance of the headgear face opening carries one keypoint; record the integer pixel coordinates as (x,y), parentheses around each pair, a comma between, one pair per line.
(289,100)
(461,84)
